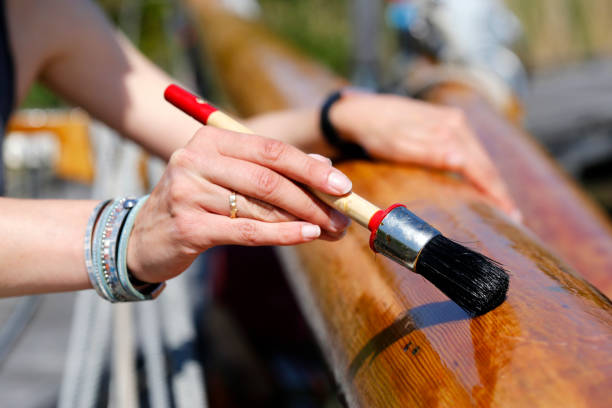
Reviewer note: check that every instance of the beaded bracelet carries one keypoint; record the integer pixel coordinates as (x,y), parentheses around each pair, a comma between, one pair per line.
(112,225)
(94,278)
(96,245)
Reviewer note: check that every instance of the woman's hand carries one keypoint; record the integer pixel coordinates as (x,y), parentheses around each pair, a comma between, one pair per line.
(404,130)
(188,211)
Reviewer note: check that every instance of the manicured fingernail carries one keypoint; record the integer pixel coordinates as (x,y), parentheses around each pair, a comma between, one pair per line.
(339,221)
(320,158)
(454,159)
(516,216)
(339,182)
(311,231)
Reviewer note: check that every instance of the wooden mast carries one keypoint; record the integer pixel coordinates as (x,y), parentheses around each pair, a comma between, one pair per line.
(391,338)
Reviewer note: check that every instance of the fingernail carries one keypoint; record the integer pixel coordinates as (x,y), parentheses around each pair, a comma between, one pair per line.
(454,159)
(339,221)
(311,231)
(320,158)
(339,182)
(516,216)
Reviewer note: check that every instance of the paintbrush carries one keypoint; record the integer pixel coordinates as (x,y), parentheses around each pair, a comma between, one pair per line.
(473,281)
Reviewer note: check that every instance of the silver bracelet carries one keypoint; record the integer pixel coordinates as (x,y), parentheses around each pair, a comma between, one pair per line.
(96,249)
(94,278)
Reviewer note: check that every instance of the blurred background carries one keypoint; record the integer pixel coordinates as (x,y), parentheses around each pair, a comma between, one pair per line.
(563,46)
(551,58)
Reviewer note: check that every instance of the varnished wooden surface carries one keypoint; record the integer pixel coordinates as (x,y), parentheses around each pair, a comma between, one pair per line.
(555,209)
(391,338)
(395,340)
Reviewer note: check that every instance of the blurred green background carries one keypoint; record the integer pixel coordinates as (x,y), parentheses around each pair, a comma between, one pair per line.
(557,32)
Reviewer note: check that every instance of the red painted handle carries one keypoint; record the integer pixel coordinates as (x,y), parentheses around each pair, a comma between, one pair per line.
(189,103)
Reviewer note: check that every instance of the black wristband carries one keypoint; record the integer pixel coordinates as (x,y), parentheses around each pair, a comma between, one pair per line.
(348,149)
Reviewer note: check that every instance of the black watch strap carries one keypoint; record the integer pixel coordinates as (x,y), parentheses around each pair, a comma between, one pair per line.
(348,149)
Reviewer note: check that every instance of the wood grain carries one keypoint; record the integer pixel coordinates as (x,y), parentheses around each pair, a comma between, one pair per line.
(554,207)
(390,337)
(395,340)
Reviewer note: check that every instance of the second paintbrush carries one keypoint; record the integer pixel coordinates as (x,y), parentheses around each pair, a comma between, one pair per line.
(473,281)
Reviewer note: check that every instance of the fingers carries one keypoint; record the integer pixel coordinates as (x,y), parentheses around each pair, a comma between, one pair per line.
(328,235)
(216,199)
(242,231)
(476,166)
(447,143)
(470,161)
(320,158)
(287,160)
(415,132)
(265,169)
(261,183)
(465,155)
(481,171)
(262,193)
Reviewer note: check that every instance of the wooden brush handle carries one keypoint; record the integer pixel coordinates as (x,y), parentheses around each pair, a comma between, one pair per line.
(351,204)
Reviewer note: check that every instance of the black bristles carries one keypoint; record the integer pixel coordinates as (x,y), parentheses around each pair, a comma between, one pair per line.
(476,283)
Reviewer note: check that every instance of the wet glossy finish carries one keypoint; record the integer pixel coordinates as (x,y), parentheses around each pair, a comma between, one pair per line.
(554,208)
(391,338)
(395,340)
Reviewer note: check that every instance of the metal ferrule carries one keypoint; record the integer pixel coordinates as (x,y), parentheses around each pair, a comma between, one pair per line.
(402,235)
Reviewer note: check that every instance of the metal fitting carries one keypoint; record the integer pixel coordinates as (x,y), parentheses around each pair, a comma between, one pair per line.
(402,235)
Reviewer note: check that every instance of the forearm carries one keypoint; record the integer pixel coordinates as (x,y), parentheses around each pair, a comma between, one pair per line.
(102,72)
(138,110)
(85,60)
(147,118)
(42,250)
(297,127)
(128,96)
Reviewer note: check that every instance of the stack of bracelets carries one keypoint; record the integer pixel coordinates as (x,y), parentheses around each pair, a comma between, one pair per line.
(112,221)
(106,241)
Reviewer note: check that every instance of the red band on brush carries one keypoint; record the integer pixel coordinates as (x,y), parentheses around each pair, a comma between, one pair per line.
(376,220)
(197,108)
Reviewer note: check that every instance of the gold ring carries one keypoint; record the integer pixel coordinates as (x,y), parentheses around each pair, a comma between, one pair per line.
(233,205)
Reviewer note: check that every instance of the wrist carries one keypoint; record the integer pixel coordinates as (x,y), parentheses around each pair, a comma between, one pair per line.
(136,271)
(106,241)
(340,117)
(335,124)
(141,265)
